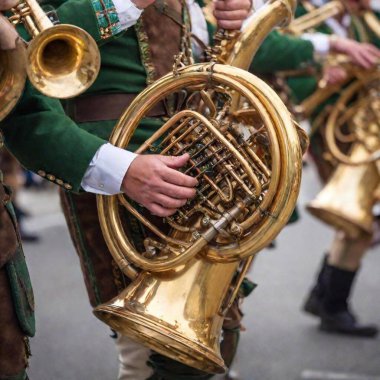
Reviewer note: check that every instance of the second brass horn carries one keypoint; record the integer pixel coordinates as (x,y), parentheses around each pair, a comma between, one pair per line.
(346,202)
(62,60)
(187,270)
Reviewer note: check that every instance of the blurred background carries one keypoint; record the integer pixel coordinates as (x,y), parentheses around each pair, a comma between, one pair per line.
(280,342)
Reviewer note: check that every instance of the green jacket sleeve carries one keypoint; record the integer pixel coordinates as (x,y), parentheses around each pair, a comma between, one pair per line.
(282,52)
(47,141)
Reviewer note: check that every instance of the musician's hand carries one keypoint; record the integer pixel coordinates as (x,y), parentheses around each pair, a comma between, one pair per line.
(334,74)
(362,54)
(142,4)
(155,182)
(230,14)
(7,4)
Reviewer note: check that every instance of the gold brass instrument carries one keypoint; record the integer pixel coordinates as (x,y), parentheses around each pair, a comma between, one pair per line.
(372,22)
(62,61)
(302,24)
(12,77)
(314,18)
(346,202)
(188,269)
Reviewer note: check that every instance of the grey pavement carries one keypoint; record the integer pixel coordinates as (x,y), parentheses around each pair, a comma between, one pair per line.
(280,342)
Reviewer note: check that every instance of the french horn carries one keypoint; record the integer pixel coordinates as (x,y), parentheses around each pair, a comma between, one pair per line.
(245,152)
(61,61)
(346,202)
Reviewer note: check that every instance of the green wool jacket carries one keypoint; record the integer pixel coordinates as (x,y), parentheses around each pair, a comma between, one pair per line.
(280,52)
(47,141)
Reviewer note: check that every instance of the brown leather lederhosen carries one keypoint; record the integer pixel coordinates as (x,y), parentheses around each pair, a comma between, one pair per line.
(16,297)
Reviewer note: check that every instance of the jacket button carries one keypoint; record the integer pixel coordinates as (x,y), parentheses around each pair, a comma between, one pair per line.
(50,177)
(59,182)
(41,173)
(67,186)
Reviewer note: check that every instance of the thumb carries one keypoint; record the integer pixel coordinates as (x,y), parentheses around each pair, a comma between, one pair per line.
(175,162)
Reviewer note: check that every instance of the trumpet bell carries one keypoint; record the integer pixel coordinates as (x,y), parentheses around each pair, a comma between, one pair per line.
(347,200)
(63,61)
(182,322)
(12,78)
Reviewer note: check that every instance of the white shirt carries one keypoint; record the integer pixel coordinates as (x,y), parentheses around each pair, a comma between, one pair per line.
(107,168)
(128,13)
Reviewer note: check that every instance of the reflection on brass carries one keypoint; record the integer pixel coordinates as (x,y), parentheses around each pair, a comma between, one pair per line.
(62,60)
(372,21)
(12,77)
(346,202)
(248,165)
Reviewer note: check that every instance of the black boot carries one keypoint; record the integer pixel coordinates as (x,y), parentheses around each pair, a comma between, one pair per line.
(329,301)
(313,303)
(335,314)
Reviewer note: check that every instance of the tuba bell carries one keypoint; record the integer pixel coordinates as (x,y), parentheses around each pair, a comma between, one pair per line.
(346,202)
(61,61)
(188,268)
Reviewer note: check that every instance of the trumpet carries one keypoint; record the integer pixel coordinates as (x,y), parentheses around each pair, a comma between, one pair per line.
(61,61)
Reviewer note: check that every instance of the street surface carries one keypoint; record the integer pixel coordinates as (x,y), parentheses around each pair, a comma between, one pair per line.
(280,342)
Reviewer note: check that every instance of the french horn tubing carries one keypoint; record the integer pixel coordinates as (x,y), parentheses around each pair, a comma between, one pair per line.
(246,156)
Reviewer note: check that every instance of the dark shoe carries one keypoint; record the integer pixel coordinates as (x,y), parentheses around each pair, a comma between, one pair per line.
(27,237)
(313,304)
(344,322)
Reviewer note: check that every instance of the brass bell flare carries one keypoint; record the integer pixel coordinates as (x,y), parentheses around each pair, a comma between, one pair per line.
(12,78)
(345,202)
(63,61)
(183,322)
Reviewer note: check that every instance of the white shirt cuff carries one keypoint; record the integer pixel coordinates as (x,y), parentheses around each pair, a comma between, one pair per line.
(320,41)
(107,169)
(128,13)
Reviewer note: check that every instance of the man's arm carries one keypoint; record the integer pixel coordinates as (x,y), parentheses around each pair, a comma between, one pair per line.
(48,142)
(282,52)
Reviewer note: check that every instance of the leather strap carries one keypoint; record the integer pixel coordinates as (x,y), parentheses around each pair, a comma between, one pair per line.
(102,107)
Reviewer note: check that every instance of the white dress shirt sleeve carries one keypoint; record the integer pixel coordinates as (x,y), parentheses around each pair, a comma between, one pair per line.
(107,169)
(320,41)
(128,13)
